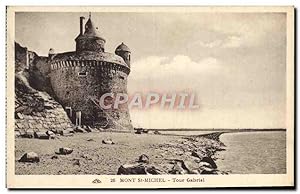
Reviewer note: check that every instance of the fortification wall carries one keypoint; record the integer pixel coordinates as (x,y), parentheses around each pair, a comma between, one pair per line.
(34,67)
(21,54)
(39,74)
(75,83)
(34,110)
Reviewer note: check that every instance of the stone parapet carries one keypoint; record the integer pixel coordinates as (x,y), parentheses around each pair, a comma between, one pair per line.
(89,64)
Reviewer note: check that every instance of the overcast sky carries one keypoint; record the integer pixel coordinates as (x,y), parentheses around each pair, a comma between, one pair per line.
(234,63)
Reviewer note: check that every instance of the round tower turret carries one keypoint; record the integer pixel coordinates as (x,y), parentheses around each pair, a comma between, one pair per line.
(90,40)
(79,79)
(123,51)
(51,53)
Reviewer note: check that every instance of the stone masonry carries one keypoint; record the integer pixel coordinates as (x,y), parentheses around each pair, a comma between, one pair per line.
(54,92)
(88,73)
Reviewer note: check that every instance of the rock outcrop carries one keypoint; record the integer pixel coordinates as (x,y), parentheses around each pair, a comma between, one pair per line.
(192,154)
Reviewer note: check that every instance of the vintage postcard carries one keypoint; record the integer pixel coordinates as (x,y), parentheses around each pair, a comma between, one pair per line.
(150,97)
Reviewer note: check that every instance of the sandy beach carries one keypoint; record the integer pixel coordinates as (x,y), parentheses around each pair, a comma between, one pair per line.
(91,156)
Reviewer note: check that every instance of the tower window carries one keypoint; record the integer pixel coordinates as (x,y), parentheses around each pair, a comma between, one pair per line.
(67,93)
(69,111)
(82,74)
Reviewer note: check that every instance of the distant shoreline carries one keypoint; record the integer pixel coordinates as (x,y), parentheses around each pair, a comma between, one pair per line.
(215,129)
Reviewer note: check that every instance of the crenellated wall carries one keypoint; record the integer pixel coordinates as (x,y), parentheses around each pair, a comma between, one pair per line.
(76,82)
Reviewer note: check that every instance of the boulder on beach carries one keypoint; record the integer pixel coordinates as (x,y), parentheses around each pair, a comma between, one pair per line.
(64,151)
(143,159)
(206,170)
(22,133)
(208,160)
(54,130)
(84,127)
(141,130)
(50,133)
(89,129)
(156,132)
(207,166)
(153,170)
(138,130)
(17,133)
(100,129)
(29,134)
(71,130)
(65,133)
(108,141)
(220,149)
(79,129)
(76,162)
(41,135)
(128,169)
(196,154)
(180,167)
(30,157)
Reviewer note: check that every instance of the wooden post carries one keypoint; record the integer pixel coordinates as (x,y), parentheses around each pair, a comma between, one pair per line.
(78,118)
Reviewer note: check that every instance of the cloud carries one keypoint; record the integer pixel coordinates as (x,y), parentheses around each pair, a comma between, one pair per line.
(231,41)
(180,66)
(172,74)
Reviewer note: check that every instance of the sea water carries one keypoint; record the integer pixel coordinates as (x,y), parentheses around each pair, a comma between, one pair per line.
(261,152)
(253,153)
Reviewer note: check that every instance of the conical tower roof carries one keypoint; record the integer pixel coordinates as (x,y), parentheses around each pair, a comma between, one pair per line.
(122,47)
(90,40)
(90,29)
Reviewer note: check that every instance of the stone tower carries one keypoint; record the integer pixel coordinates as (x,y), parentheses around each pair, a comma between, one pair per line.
(79,76)
(123,51)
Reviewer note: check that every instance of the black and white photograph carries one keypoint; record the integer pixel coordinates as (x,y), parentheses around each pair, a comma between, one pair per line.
(198,94)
